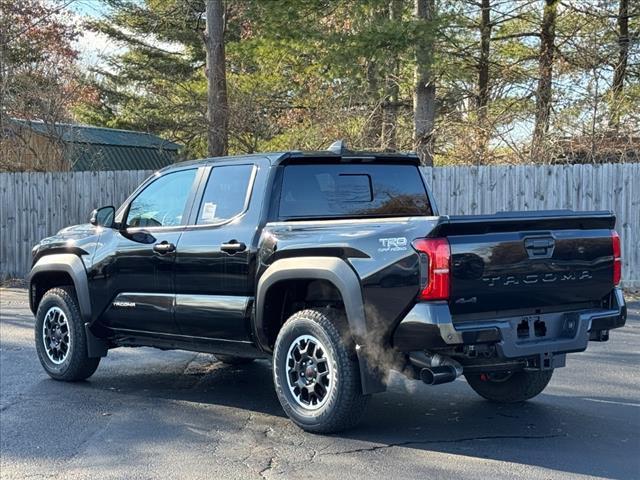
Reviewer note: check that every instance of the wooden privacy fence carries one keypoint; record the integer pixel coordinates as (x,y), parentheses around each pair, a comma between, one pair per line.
(35,205)
(615,187)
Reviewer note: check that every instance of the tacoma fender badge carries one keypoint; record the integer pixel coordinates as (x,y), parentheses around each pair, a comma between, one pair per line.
(124,304)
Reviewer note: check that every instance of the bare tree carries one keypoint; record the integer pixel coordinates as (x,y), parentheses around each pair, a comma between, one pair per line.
(483,77)
(424,99)
(621,66)
(372,127)
(39,82)
(391,103)
(217,107)
(371,132)
(4,72)
(545,71)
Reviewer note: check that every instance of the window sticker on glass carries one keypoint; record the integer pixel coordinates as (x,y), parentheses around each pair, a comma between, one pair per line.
(225,194)
(208,211)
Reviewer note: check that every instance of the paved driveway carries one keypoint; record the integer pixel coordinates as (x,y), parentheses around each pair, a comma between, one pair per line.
(152,414)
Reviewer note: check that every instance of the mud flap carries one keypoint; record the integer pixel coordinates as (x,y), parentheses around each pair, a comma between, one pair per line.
(371,378)
(96,347)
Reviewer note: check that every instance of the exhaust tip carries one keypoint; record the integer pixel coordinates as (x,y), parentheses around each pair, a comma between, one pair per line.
(438,375)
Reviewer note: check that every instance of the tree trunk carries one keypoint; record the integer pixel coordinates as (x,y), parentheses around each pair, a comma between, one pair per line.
(372,127)
(390,112)
(391,101)
(3,86)
(545,70)
(217,108)
(424,98)
(621,66)
(483,79)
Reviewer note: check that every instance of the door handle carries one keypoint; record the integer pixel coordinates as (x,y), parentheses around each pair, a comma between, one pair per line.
(164,247)
(233,246)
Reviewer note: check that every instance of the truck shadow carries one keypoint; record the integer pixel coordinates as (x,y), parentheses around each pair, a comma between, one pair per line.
(563,432)
(556,432)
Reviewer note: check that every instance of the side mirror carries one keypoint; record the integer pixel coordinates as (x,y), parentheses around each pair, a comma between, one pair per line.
(103,217)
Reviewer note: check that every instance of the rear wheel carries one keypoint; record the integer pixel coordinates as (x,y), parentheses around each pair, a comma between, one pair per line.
(509,387)
(60,337)
(316,374)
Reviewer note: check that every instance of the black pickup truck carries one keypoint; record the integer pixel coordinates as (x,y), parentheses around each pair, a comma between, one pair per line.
(338,266)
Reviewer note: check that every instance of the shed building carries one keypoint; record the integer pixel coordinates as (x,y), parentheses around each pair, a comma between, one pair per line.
(36,145)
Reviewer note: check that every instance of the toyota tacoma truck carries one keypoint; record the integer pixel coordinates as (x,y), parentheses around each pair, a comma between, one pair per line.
(337,266)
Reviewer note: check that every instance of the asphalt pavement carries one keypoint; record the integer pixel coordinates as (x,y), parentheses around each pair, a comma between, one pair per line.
(150,414)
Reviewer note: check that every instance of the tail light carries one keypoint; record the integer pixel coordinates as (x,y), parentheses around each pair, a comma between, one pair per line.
(435,256)
(617,257)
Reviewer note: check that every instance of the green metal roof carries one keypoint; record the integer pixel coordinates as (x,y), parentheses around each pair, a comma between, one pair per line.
(98,148)
(114,157)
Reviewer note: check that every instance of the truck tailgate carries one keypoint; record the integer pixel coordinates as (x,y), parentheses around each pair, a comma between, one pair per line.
(528,261)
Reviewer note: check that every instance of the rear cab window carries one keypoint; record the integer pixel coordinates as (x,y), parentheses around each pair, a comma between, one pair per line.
(352,191)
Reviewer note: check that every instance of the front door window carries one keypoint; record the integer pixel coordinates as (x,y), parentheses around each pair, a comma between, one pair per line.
(162,203)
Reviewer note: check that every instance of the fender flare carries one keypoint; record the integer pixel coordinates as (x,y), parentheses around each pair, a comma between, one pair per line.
(72,265)
(340,274)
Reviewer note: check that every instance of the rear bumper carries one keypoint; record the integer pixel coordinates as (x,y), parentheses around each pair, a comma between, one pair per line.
(428,326)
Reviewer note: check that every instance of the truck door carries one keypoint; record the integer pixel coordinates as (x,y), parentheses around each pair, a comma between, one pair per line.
(215,261)
(133,269)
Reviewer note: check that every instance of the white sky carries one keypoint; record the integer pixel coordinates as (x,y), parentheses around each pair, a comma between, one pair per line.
(93,45)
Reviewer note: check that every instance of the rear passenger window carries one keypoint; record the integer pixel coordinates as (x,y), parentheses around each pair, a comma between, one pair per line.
(226,193)
(352,191)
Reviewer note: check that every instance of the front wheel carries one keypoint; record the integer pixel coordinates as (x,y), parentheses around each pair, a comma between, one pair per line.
(61,340)
(316,374)
(509,387)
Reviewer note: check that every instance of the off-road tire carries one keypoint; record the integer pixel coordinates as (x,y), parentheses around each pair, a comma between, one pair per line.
(233,360)
(520,386)
(76,365)
(345,404)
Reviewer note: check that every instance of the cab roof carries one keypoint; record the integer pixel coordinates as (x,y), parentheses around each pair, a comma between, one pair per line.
(336,153)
